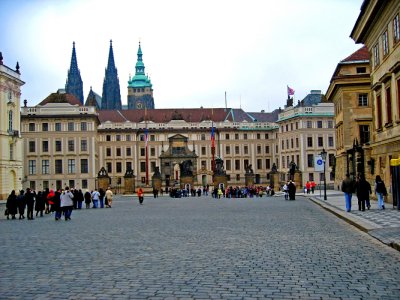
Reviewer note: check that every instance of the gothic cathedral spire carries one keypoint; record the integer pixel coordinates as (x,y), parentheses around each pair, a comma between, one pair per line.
(74,84)
(111,98)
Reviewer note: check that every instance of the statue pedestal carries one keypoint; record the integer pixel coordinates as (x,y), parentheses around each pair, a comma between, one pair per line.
(157,182)
(103,183)
(298,179)
(129,185)
(218,179)
(274,181)
(249,179)
(186,180)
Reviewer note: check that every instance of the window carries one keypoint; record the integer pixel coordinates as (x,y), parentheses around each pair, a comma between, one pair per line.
(32,185)
(266,136)
(309,141)
(58,126)
(385,43)
(266,149)
(203,150)
(291,143)
(83,145)
(11,152)
(330,124)
(152,151)
(109,167)
(237,164)
(58,166)
(203,137)
(84,166)
(245,136)
(45,184)
(259,163)
(330,141)
(361,70)
(268,163)
(331,159)
(119,167)
(228,165)
(227,150)
(45,146)
(152,166)
(84,183)
(364,134)
(258,149)
(108,138)
(31,126)
(32,167)
(71,126)
(396,29)
(71,166)
(362,99)
(10,121)
(283,145)
(118,151)
(71,145)
(128,137)
(83,126)
(128,166)
(236,136)
(379,111)
(142,152)
(45,126)
(118,137)
(388,106)
(319,124)
(258,136)
(237,150)
(58,146)
(32,146)
(310,160)
(297,125)
(152,137)
(142,166)
(227,136)
(128,151)
(375,51)
(320,141)
(237,177)
(108,151)
(297,142)
(309,124)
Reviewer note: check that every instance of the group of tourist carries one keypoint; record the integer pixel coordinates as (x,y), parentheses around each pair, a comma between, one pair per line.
(60,202)
(363,189)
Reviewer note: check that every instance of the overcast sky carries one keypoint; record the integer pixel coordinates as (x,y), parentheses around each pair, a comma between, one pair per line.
(193,51)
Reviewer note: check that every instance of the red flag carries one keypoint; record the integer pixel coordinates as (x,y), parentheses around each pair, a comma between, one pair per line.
(290,91)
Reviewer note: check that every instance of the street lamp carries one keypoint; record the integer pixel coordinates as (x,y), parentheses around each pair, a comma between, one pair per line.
(323,156)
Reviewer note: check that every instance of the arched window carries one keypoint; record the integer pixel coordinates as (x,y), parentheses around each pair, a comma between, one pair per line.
(10,120)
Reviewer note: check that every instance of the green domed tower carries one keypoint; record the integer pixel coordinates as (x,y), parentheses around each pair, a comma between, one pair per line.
(140,89)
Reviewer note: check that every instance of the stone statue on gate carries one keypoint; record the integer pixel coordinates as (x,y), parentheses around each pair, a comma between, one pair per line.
(219,167)
(186,168)
(249,169)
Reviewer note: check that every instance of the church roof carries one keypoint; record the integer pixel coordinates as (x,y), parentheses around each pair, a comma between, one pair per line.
(140,79)
(61,98)
(361,54)
(165,115)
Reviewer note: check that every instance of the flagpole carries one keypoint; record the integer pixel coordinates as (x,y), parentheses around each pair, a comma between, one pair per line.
(147,146)
(212,143)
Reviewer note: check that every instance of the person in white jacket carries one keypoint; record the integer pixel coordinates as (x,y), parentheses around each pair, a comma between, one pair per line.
(66,203)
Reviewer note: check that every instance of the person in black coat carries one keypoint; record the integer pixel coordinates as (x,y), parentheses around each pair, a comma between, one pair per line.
(40,204)
(21,204)
(56,207)
(363,190)
(292,190)
(30,198)
(12,205)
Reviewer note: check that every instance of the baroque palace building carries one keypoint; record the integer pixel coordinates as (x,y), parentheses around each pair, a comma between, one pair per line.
(11,152)
(378,28)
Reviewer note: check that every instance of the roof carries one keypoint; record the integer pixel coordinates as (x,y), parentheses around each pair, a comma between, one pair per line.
(265,117)
(165,115)
(361,54)
(61,98)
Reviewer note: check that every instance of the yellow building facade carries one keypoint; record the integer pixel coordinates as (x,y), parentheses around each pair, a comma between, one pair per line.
(378,27)
(11,152)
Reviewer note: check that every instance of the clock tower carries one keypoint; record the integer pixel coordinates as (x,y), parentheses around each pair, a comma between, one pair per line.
(140,89)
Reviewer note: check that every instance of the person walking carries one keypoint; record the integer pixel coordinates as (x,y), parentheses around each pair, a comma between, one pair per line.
(30,198)
(56,205)
(88,198)
(286,191)
(109,197)
(348,190)
(40,204)
(50,201)
(102,197)
(292,190)
(11,205)
(79,195)
(140,196)
(363,190)
(380,191)
(21,204)
(95,198)
(67,203)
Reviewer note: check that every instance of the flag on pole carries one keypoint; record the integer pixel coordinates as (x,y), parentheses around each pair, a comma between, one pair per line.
(146,136)
(290,91)
(212,136)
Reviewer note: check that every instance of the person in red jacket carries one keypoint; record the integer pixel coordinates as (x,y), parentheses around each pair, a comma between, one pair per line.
(308,187)
(140,194)
(313,185)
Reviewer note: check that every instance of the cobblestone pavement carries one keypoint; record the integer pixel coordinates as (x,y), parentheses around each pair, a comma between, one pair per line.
(196,248)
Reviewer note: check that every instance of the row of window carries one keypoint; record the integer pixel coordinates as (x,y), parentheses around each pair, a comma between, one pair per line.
(59,184)
(383,43)
(307,124)
(386,95)
(58,146)
(71,126)
(58,166)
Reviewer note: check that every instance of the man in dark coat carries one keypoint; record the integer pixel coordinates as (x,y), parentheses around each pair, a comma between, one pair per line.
(292,190)
(363,190)
(348,186)
(12,205)
(30,198)
(21,204)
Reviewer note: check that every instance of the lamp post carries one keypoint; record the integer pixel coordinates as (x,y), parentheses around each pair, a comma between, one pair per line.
(323,156)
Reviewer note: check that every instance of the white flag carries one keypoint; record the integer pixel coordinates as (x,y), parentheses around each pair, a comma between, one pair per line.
(318,163)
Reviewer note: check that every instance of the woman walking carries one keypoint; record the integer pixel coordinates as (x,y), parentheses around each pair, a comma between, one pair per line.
(363,189)
(380,191)
(21,204)
(12,205)
(140,195)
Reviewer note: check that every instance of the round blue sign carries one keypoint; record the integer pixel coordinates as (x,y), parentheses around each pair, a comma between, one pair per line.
(319,162)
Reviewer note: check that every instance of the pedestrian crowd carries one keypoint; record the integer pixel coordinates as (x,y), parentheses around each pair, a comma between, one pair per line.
(59,202)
